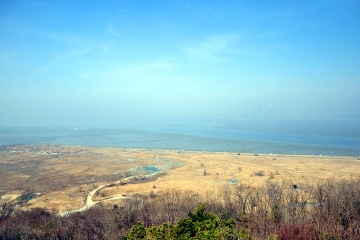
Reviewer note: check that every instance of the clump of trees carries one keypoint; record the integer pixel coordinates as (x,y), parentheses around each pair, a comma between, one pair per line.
(325,210)
(198,224)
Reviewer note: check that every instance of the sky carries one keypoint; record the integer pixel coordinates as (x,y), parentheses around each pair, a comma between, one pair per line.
(95,63)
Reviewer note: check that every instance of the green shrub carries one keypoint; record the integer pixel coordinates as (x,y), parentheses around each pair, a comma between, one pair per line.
(136,232)
(198,224)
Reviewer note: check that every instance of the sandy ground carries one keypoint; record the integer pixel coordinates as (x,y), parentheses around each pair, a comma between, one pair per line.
(199,171)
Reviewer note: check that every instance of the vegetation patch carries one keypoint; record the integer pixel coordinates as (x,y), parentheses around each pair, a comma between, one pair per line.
(328,210)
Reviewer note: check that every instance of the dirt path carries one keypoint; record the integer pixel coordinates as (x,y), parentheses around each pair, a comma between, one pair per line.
(89,199)
(89,202)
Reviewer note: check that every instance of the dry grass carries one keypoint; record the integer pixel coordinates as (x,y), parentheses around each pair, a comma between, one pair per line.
(68,177)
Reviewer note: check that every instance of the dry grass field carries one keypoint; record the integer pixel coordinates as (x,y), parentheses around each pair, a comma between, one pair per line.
(63,176)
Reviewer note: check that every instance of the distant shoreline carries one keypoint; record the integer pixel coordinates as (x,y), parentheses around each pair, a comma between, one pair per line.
(278,137)
(175,150)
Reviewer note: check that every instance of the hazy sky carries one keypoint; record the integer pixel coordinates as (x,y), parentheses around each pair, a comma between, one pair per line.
(101,62)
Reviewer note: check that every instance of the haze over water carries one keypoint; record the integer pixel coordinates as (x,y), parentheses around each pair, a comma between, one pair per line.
(246,136)
(252,76)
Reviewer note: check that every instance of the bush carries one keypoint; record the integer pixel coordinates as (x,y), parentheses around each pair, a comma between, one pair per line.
(297,231)
(136,232)
(198,224)
(259,173)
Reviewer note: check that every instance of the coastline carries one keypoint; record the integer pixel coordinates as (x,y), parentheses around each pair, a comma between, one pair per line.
(311,138)
(170,150)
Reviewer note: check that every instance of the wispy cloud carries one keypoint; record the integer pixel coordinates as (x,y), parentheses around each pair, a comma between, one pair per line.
(107,46)
(142,72)
(133,72)
(221,47)
(150,66)
(134,68)
(112,29)
(62,58)
(64,38)
(213,48)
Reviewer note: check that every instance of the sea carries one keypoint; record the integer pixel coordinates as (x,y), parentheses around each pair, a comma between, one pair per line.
(257,136)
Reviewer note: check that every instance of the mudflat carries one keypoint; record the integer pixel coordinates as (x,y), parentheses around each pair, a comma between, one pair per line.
(60,178)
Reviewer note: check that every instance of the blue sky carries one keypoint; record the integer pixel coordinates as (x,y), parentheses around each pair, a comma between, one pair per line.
(98,63)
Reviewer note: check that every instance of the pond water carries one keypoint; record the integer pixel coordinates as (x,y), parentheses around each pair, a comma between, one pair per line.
(233,181)
(150,169)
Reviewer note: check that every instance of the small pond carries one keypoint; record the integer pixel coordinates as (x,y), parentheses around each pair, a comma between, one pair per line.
(150,169)
(233,181)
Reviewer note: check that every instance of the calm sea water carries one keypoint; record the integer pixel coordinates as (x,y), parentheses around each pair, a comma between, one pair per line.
(340,137)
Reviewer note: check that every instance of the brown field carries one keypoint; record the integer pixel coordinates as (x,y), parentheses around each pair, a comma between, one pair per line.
(64,175)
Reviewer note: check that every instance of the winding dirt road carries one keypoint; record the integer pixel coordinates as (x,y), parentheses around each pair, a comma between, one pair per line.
(89,202)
